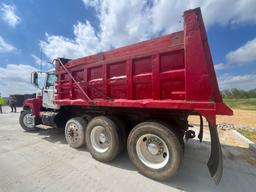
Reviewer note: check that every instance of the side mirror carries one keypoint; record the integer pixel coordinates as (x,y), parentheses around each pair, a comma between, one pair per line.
(34,78)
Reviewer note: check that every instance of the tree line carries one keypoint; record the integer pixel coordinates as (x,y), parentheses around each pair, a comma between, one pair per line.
(238,94)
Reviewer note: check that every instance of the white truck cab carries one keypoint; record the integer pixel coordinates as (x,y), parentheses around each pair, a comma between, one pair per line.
(48,89)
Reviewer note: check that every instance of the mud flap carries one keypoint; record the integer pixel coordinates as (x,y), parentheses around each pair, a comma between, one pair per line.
(215,164)
(201,132)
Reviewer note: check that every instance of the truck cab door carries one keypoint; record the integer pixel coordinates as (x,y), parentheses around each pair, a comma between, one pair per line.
(49,92)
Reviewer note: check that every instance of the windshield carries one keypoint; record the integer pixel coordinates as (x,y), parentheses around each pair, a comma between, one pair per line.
(51,78)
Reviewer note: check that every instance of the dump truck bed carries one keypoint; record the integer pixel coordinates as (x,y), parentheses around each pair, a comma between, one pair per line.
(171,72)
(174,72)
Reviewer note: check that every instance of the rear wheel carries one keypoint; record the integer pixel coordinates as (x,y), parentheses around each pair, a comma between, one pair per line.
(155,150)
(27,121)
(104,138)
(75,132)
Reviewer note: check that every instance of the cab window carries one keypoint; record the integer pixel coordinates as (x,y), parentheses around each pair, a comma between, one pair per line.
(51,78)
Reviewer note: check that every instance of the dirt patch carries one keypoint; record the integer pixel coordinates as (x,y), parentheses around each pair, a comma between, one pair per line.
(233,148)
(241,118)
(248,156)
(236,149)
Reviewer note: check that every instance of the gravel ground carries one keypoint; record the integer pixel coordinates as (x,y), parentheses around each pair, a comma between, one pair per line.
(42,161)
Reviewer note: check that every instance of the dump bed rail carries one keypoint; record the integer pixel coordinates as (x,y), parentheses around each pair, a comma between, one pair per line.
(172,72)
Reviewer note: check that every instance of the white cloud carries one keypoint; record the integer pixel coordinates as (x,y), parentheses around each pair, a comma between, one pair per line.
(245,82)
(227,11)
(241,56)
(246,54)
(219,66)
(92,3)
(9,15)
(5,47)
(40,62)
(125,22)
(85,42)
(15,79)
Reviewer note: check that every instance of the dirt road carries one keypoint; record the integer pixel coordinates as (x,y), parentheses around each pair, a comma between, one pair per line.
(42,161)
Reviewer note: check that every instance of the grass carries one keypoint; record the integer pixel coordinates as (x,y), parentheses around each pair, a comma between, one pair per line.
(249,134)
(245,104)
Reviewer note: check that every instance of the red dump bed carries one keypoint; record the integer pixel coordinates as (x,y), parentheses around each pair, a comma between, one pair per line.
(171,72)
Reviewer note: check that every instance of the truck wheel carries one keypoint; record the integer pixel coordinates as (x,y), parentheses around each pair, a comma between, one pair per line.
(27,121)
(75,132)
(103,138)
(155,150)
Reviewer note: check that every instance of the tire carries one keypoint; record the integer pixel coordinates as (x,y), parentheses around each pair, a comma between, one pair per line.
(122,132)
(155,150)
(104,138)
(26,124)
(75,132)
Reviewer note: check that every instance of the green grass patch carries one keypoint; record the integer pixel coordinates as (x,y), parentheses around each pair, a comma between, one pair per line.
(249,134)
(246,104)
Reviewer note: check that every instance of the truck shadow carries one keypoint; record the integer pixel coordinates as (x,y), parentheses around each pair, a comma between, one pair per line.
(239,166)
(52,135)
(239,169)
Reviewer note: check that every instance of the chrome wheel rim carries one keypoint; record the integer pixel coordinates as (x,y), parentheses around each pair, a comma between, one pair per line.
(152,151)
(28,120)
(73,132)
(100,139)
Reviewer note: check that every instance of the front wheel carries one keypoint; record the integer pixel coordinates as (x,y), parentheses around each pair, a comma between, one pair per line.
(27,121)
(155,150)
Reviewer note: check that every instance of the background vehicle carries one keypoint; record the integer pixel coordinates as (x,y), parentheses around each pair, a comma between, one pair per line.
(139,97)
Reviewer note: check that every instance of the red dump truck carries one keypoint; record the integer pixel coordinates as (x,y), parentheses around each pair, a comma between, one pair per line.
(137,97)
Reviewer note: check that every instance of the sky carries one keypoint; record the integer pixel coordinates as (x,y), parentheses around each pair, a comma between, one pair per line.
(76,28)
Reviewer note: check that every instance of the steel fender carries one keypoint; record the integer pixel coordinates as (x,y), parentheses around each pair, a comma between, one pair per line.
(34,104)
(215,164)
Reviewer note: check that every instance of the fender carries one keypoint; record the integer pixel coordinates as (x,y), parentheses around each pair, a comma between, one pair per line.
(34,104)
